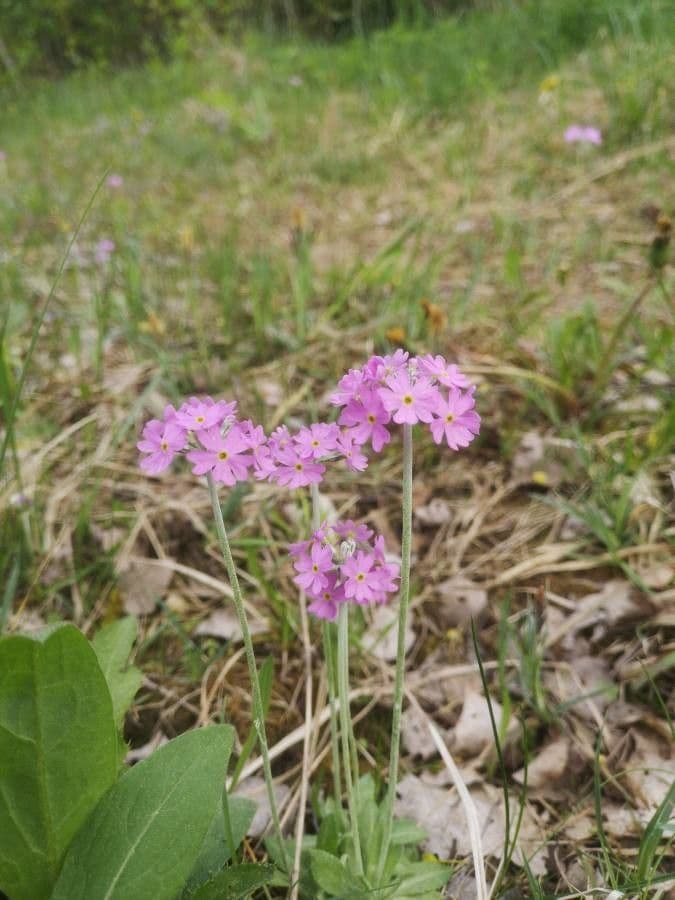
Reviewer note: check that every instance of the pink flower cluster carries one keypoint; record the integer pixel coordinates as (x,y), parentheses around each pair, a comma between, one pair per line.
(213,438)
(407,390)
(342,564)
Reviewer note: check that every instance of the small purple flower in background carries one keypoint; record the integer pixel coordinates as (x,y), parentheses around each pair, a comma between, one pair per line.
(114,181)
(104,250)
(583,134)
(341,564)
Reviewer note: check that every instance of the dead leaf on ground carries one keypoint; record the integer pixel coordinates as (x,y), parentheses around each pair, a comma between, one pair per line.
(255,789)
(415,734)
(224,624)
(460,600)
(381,637)
(547,767)
(141,584)
(436,512)
(585,685)
(649,772)
(473,732)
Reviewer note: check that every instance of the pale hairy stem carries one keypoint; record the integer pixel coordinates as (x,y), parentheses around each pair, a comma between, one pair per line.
(404,602)
(258,710)
(345,712)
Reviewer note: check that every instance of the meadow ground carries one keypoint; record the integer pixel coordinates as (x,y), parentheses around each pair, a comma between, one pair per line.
(268,215)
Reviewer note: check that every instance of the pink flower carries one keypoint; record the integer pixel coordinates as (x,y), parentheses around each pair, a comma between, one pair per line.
(104,249)
(325,603)
(362,580)
(161,441)
(317,441)
(583,134)
(293,471)
(114,180)
(384,367)
(312,568)
(226,457)
(350,449)
(410,402)
(279,440)
(198,415)
(349,530)
(263,464)
(437,367)
(456,420)
(349,387)
(367,419)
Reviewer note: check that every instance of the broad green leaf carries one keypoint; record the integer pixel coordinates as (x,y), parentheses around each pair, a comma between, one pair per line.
(113,645)
(58,753)
(235,883)
(422,877)
(214,852)
(333,876)
(143,838)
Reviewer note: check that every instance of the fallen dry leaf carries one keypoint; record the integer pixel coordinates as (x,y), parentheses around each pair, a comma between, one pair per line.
(473,732)
(459,600)
(381,637)
(141,584)
(254,788)
(415,734)
(435,512)
(224,624)
(547,767)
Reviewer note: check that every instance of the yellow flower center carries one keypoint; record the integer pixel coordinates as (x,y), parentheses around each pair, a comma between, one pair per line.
(299,467)
(408,399)
(449,418)
(164,445)
(199,419)
(223,454)
(371,419)
(360,577)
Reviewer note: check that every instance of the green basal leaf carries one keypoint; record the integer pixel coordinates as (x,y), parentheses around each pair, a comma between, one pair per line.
(235,883)
(333,876)
(58,753)
(144,837)
(418,878)
(214,852)
(405,831)
(113,644)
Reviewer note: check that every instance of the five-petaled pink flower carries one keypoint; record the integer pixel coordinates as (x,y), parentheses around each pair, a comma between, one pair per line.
(448,375)
(312,568)
(409,401)
(198,415)
(456,420)
(226,457)
(161,441)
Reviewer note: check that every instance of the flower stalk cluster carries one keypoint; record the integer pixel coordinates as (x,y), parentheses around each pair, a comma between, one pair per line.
(342,563)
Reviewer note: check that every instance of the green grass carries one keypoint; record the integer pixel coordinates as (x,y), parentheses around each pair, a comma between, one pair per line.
(285,204)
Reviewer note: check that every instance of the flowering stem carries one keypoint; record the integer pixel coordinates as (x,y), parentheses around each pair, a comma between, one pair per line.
(406,536)
(258,711)
(329,656)
(343,693)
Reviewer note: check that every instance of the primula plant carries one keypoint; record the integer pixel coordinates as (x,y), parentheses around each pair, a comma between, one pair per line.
(166,828)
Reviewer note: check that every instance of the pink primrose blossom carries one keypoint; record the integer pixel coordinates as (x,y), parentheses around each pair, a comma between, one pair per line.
(349,387)
(456,420)
(312,568)
(349,530)
(317,441)
(437,367)
(103,250)
(409,401)
(350,450)
(197,415)
(583,134)
(362,579)
(280,440)
(114,180)
(226,457)
(384,367)
(325,604)
(161,441)
(366,419)
(293,471)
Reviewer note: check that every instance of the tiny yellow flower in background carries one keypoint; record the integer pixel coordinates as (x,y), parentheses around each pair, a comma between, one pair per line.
(153,325)
(540,477)
(186,238)
(396,335)
(549,84)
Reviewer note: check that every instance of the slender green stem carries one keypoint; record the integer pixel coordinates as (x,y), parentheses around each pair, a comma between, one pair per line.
(406,536)
(343,693)
(329,656)
(258,711)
